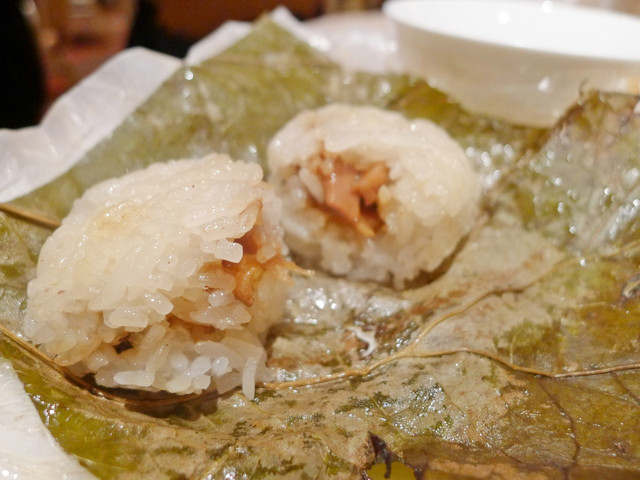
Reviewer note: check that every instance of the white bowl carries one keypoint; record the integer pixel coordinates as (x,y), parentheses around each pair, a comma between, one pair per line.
(522,61)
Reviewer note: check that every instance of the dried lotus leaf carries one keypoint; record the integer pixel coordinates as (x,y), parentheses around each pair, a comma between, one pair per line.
(474,375)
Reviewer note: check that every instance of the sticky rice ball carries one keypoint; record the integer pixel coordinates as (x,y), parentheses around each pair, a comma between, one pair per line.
(166,279)
(371,195)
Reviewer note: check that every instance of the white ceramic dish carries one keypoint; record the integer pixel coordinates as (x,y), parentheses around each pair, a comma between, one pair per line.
(523,61)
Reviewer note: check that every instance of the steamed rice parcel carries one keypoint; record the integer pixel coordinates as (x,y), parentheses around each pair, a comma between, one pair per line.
(169,278)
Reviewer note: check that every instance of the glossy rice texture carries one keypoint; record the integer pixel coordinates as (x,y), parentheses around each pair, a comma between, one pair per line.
(164,279)
(420,197)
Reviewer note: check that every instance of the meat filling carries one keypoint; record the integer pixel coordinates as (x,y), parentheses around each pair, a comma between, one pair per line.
(248,272)
(351,193)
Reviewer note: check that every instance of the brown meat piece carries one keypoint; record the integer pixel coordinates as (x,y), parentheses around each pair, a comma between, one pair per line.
(351,194)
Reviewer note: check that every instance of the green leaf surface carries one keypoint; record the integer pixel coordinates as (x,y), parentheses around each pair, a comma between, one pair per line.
(519,360)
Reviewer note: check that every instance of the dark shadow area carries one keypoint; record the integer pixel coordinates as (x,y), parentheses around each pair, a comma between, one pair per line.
(22,87)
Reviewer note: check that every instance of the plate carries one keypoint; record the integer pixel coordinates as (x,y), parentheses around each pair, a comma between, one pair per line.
(523,61)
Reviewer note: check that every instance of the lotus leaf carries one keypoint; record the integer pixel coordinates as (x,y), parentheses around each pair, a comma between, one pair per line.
(519,359)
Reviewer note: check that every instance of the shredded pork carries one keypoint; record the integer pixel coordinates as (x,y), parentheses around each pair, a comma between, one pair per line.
(351,193)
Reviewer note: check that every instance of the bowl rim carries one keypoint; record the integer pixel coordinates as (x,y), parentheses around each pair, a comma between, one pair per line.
(394,10)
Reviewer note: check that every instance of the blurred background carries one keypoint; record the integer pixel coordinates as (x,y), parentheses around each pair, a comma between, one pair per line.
(50,45)
(47,46)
